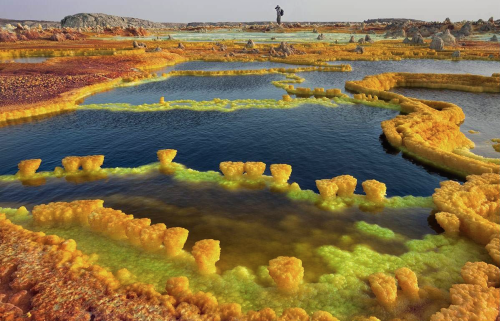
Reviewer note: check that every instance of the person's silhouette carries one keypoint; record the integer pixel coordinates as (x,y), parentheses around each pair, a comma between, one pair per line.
(279,13)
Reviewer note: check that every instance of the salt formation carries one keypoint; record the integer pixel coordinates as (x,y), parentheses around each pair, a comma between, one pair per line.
(287,273)
(206,253)
(28,167)
(165,156)
(281,172)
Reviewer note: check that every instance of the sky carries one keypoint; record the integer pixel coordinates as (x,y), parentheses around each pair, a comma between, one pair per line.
(254,10)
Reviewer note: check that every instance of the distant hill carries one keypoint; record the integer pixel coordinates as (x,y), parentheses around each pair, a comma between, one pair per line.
(31,23)
(391,20)
(83,20)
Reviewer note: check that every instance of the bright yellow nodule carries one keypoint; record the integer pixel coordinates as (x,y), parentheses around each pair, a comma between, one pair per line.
(28,167)
(165,156)
(287,273)
(232,170)
(206,253)
(375,191)
(281,173)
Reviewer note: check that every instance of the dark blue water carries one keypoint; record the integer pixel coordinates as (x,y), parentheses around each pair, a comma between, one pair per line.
(318,142)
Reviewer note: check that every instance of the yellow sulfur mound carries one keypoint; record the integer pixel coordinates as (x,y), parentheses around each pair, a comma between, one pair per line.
(230,311)
(28,167)
(476,203)
(346,185)
(327,188)
(384,287)
(109,222)
(71,163)
(294,314)
(165,156)
(232,170)
(174,240)
(281,172)
(206,253)
(152,237)
(481,273)
(92,163)
(375,191)
(493,249)
(323,316)
(407,280)
(287,273)
(254,170)
(266,314)
(65,213)
(470,302)
(178,287)
(287,98)
(133,229)
(449,222)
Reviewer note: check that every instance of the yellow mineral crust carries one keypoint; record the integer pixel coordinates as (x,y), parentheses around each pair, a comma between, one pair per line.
(346,185)
(493,249)
(133,229)
(281,173)
(232,170)
(481,273)
(431,128)
(206,253)
(165,156)
(76,212)
(109,222)
(92,163)
(475,203)
(174,240)
(71,163)
(407,280)
(265,314)
(384,287)
(152,237)
(28,167)
(255,170)
(470,302)
(323,316)
(294,314)
(287,273)
(230,311)
(449,222)
(375,191)
(327,188)
(178,287)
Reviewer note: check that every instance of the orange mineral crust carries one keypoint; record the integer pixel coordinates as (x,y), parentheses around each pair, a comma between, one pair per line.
(431,129)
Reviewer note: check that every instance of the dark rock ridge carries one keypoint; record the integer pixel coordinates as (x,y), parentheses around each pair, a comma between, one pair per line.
(84,20)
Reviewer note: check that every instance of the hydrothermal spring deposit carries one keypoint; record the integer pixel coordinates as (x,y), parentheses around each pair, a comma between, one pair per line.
(151,237)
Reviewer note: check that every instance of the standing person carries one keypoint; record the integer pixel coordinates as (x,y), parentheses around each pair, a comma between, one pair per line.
(279,13)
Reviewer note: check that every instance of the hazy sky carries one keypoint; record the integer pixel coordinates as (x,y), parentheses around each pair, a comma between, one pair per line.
(254,10)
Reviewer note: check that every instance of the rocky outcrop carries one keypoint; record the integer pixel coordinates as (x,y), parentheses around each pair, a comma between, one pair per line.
(368,38)
(359,50)
(494,38)
(466,29)
(448,38)
(352,40)
(417,39)
(321,37)
(407,41)
(437,44)
(456,54)
(250,44)
(136,44)
(58,37)
(361,40)
(84,20)
(398,33)
(181,46)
